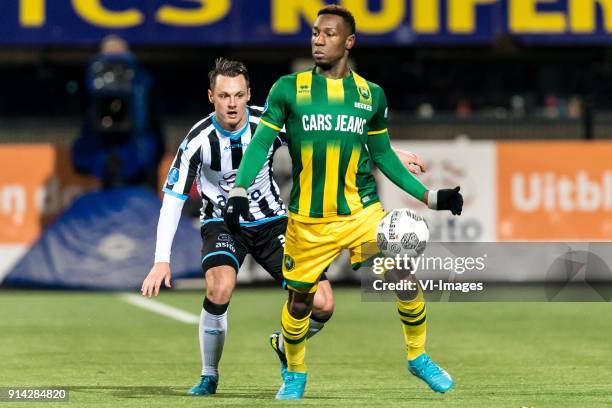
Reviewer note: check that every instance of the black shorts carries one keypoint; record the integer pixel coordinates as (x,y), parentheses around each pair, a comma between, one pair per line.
(265,242)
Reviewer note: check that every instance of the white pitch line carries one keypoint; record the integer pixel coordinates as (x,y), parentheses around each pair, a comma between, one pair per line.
(160,308)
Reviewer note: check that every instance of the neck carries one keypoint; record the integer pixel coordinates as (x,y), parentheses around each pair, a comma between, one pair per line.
(338,70)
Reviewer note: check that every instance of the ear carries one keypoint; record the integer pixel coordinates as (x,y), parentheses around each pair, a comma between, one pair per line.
(248,95)
(210,96)
(349,42)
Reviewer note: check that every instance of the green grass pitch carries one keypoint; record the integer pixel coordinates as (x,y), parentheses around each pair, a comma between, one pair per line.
(111,353)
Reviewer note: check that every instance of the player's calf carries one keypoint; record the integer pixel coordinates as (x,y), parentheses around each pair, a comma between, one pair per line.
(220,282)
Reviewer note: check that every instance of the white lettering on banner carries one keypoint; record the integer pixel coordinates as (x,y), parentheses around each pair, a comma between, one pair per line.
(455,230)
(13,202)
(52,197)
(550,191)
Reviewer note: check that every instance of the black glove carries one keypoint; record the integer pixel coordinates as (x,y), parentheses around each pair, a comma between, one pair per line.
(446,199)
(237,205)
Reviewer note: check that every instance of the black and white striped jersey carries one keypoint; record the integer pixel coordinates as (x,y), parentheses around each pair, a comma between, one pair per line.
(211,155)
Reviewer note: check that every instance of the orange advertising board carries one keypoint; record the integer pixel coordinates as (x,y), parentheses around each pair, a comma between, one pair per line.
(554,191)
(36,183)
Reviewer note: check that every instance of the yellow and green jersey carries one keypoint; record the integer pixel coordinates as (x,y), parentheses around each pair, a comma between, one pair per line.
(328,122)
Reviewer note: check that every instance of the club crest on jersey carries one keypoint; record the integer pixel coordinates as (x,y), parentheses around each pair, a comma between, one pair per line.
(289,262)
(173,176)
(364,92)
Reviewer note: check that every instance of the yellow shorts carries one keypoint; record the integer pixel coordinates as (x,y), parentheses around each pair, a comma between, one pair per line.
(311,244)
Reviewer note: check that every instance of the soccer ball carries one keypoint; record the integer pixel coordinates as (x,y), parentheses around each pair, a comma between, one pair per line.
(402,232)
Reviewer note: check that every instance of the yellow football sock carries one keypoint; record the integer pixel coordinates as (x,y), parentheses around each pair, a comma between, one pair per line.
(413,317)
(294,334)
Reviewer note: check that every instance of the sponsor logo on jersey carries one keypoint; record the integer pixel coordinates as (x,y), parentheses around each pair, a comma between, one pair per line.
(225,238)
(364,106)
(386,112)
(173,176)
(303,89)
(226,182)
(327,122)
(289,262)
(235,146)
(366,199)
(226,245)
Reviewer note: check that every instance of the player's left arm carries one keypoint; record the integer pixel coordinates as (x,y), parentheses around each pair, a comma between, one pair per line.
(392,167)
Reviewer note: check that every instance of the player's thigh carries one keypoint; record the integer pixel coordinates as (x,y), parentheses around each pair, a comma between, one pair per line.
(221,248)
(268,247)
(309,250)
(362,235)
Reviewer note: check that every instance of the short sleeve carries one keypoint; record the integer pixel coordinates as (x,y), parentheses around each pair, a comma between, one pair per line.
(378,124)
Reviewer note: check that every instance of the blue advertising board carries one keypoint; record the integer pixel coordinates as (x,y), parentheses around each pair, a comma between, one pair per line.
(263,22)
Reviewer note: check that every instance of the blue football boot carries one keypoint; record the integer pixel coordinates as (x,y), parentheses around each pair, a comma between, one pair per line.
(428,371)
(293,386)
(206,386)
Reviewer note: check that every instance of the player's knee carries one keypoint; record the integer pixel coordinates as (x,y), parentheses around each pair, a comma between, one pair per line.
(220,284)
(219,295)
(299,310)
(300,304)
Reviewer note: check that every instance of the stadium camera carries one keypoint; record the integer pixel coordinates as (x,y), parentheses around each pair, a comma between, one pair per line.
(111,86)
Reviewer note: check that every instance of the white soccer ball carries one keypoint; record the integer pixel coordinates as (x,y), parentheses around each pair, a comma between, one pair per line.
(402,232)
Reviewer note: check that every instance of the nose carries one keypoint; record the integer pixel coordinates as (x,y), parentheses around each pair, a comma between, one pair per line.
(318,39)
(232,101)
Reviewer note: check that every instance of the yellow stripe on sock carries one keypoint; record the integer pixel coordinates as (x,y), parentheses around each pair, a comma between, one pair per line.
(294,331)
(414,335)
(330,191)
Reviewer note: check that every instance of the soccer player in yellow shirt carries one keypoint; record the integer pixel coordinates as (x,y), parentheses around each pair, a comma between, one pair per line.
(336,123)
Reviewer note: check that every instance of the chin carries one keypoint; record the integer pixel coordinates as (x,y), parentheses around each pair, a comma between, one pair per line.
(322,64)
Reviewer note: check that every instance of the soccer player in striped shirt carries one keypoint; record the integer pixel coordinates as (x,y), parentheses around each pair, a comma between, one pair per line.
(336,123)
(210,155)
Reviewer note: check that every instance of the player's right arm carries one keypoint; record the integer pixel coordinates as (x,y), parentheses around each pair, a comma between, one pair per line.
(178,183)
(169,217)
(270,123)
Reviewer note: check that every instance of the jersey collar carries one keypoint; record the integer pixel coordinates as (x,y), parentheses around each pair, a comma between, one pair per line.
(314,72)
(236,134)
